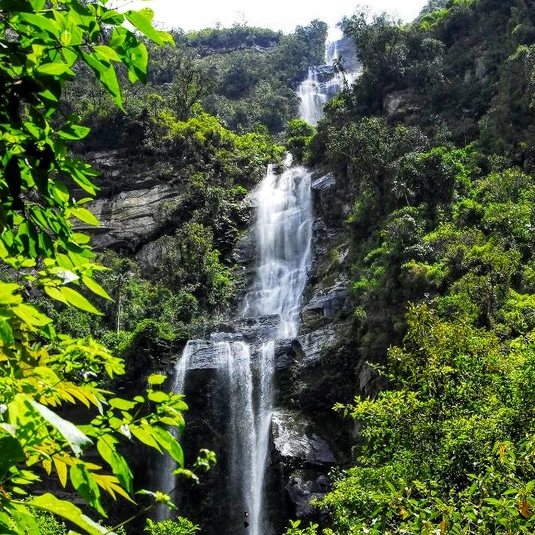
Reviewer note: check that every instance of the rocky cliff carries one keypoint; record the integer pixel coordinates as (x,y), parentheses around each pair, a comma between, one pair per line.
(306,438)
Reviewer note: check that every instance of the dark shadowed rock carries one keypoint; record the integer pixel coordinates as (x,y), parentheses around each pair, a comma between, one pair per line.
(303,487)
(328,302)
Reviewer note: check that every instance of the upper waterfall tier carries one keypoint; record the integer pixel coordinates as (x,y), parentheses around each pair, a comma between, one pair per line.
(325,81)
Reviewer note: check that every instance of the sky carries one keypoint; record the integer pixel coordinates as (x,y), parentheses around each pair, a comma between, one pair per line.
(282,15)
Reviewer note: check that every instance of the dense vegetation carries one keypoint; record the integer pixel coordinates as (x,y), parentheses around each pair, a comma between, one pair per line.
(246,77)
(204,122)
(435,145)
(44,372)
(433,149)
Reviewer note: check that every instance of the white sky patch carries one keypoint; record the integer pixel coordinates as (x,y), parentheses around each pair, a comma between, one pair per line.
(282,15)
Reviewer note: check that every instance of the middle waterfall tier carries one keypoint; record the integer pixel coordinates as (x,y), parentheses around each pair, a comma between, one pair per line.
(284,234)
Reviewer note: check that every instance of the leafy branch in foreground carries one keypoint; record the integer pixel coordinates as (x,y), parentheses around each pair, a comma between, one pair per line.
(41,44)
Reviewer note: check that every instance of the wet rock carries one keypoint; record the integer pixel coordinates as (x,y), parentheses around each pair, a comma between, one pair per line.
(296,441)
(258,330)
(285,354)
(323,182)
(244,251)
(313,344)
(303,489)
(203,356)
(328,302)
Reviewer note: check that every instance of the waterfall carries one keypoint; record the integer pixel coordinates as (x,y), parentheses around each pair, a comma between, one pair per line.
(284,231)
(236,358)
(265,407)
(166,479)
(245,372)
(324,81)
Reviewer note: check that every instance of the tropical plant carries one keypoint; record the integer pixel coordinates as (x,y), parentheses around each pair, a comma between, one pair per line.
(41,45)
(178,526)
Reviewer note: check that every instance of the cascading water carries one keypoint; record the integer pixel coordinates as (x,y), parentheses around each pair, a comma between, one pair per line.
(166,478)
(284,234)
(324,81)
(236,358)
(284,231)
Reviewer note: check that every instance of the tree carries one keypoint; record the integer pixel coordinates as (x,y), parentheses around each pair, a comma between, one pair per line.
(41,45)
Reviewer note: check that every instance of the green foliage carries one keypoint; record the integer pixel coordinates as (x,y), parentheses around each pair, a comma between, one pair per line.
(433,147)
(459,394)
(299,134)
(189,261)
(41,371)
(178,526)
(48,524)
(295,529)
(244,76)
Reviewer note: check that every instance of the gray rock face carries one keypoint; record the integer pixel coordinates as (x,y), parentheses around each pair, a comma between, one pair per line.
(244,250)
(132,217)
(313,343)
(296,441)
(324,182)
(328,302)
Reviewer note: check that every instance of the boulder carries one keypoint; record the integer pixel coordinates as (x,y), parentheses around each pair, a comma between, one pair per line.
(296,441)
(303,487)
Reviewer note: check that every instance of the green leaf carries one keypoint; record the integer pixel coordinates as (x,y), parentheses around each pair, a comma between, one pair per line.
(145,436)
(74,132)
(141,20)
(11,453)
(38,4)
(42,23)
(54,69)
(119,466)
(6,333)
(105,52)
(54,293)
(136,61)
(8,295)
(106,75)
(68,511)
(112,17)
(169,443)
(122,404)
(78,300)
(30,315)
(83,214)
(84,482)
(81,239)
(75,438)
(95,287)
(24,519)
(156,379)
(158,396)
